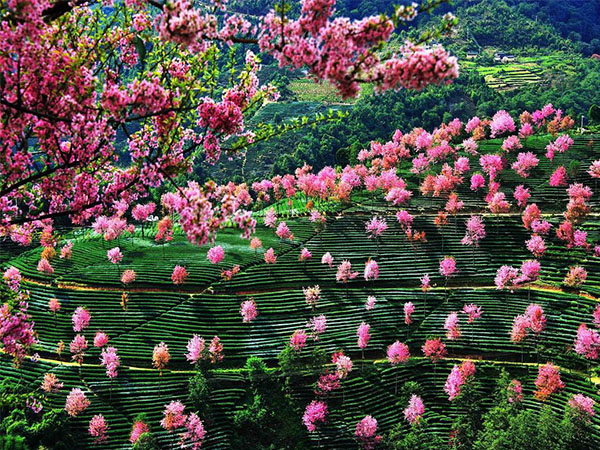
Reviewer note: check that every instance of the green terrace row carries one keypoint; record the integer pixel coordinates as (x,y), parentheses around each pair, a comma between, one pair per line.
(173,318)
(368,390)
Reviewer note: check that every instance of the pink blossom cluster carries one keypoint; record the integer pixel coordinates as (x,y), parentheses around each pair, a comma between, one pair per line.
(415,410)
(533,320)
(248,311)
(366,433)
(457,378)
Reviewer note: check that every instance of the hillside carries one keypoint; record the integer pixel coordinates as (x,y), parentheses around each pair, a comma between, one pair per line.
(208,305)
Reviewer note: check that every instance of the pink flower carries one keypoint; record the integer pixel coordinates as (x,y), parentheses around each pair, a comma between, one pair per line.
(409,309)
(587,343)
(255,243)
(283,232)
(506,277)
(76,402)
(179,275)
(344,272)
(415,410)
(160,356)
(114,255)
(173,416)
(51,383)
(343,364)
(451,326)
(537,319)
(312,295)
(363,335)
(12,277)
(215,254)
(101,339)
(520,328)
(521,194)
(305,254)
(576,276)
(195,348)
(371,270)
(78,347)
(475,231)
(502,123)
(327,259)
(491,164)
(472,124)
(448,267)
(515,391)
(270,218)
(497,203)
(453,383)
(318,325)
(404,218)
(547,382)
(81,319)
(582,405)
(327,382)
(128,276)
(594,169)
(397,353)
(270,257)
(536,246)
(560,145)
(215,350)
(248,311)
(530,271)
(298,340)
(596,316)
(316,411)
(45,267)
(434,349)
(472,311)
(137,430)
(425,283)
(98,428)
(477,181)
(54,305)
(366,431)
(559,177)
(370,303)
(375,227)
(512,143)
(110,360)
(470,146)
(526,161)
(194,433)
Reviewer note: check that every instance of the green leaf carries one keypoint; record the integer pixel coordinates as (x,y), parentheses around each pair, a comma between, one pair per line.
(140,46)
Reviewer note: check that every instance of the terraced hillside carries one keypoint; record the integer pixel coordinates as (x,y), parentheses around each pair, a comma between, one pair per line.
(208,305)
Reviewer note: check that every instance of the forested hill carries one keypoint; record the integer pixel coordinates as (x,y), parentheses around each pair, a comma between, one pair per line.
(578,20)
(548,68)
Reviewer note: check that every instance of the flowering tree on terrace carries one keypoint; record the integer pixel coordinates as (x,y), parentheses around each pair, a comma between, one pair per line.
(99,104)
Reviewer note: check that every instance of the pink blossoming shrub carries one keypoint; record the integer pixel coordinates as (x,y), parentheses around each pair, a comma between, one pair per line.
(248,311)
(81,319)
(366,433)
(98,429)
(415,410)
(179,275)
(298,340)
(315,412)
(215,254)
(76,402)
